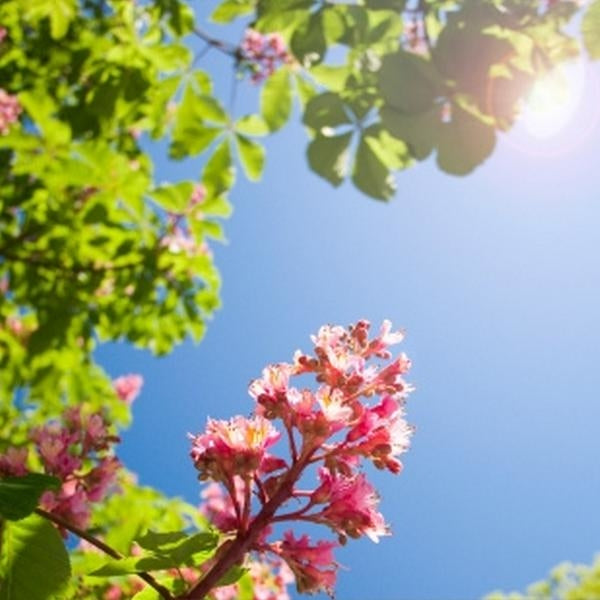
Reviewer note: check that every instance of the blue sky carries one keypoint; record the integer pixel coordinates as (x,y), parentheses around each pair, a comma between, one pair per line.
(496,280)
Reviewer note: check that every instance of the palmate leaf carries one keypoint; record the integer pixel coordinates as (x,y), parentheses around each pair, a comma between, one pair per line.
(35,563)
(276,99)
(200,119)
(19,496)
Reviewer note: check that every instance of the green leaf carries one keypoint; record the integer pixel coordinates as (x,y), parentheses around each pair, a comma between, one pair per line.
(590,29)
(304,89)
(308,41)
(190,134)
(465,55)
(418,131)
(252,125)
(331,76)
(35,563)
(252,157)
(219,175)
(153,540)
(60,13)
(325,110)
(464,143)
(329,156)
(19,496)
(174,198)
(232,576)
(178,545)
(133,564)
(408,82)
(231,9)
(371,175)
(175,585)
(276,99)
(165,551)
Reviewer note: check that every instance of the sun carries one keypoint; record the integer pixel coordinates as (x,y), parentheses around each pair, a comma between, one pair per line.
(553,101)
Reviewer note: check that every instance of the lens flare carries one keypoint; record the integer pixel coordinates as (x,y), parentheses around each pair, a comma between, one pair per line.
(553,101)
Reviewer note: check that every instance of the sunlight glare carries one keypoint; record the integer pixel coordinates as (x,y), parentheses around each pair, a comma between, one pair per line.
(554,101)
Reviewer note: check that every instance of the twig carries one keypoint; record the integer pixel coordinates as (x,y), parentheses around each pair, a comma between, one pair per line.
(163,591)
(221,45)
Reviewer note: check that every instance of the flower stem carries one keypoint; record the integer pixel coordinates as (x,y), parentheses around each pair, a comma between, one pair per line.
(245,540)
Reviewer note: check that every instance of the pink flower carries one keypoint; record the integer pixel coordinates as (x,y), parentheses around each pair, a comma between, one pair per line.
(382,434)
(76,451)
(3,34)
(276,42)
(10,109)
(271,391)
(114,592)
(305,561)
(253,43)
(101,478)
(218,507)
(13,462)
(263,53)
(233,447)
(351,506)
(333,406)
(198,195)
(128,387)
(181,241)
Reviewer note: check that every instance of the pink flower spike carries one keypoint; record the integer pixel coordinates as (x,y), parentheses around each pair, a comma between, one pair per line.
(128,387)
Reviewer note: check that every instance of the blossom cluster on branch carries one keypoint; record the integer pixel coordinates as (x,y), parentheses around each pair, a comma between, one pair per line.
(77,450)
(354,413)
(263,53)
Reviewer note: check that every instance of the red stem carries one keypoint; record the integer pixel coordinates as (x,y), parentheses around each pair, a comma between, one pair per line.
(245,540)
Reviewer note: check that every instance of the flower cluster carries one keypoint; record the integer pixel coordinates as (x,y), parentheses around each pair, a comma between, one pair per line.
(415,34)
(263,53)
(10,109)
(354,413)
(78,452)
(128,387)
(179,238)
